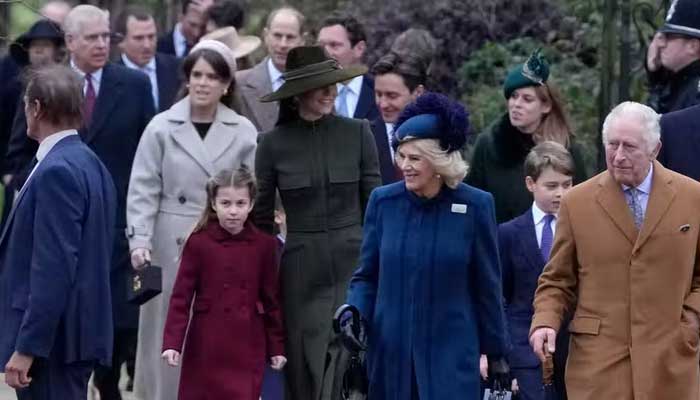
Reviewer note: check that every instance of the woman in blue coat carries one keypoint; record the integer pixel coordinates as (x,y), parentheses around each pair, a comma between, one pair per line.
(428,286)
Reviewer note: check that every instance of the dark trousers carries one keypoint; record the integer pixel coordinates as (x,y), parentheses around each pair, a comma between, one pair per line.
(54,380)
(529,382)
(107,378)
(273,384)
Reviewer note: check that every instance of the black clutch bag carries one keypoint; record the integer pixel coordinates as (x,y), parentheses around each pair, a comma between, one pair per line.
(145,284)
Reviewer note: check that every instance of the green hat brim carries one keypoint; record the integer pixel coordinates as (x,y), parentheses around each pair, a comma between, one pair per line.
(302,85)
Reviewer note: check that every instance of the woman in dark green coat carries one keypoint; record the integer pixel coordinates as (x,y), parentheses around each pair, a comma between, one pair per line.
(535,114)
(324,167)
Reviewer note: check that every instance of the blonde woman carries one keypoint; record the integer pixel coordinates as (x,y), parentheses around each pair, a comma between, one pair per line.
(428,286)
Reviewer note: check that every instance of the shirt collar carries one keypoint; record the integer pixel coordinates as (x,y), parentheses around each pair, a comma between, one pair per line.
(96,75)
(355,85)
(389,128)
(50,141)
(150,66)
(645,186)
(274,73)
(538,215)
(177,34)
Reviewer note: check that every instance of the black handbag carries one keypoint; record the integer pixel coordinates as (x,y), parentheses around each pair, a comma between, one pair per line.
(145,284)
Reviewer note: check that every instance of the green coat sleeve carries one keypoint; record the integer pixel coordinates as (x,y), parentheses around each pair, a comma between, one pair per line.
(369,168)
(264,212)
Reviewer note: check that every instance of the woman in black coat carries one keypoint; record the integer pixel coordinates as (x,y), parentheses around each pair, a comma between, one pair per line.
(535,114)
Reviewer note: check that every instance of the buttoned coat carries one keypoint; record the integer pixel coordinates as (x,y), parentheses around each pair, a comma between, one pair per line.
(230,284)
(166,197)
(251,85)
(324,171)
(627,289)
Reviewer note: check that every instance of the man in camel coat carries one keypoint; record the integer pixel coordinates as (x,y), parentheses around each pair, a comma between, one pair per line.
(626,265)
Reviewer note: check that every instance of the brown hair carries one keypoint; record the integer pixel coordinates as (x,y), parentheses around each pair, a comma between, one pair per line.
(242,177)
(59,91)
(409,67)
(555,124)
(548,154)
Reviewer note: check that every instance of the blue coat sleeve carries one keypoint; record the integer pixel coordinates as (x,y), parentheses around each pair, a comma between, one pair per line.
(362,292)
(58,232)
(487,276)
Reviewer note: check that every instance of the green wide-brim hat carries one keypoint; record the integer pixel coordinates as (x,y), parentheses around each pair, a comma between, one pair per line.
(309,68)
(534,72)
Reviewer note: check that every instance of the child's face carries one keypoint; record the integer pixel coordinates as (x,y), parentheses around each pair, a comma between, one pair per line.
(549,189)
(232,206)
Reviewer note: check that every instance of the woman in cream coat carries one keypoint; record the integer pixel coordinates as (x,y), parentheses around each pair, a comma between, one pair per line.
(179,150)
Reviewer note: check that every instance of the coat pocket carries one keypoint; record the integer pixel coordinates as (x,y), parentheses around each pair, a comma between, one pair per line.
(344,174)
(293,180)
(585,325)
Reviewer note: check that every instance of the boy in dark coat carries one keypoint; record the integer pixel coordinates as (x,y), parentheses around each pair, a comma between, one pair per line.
(525,243)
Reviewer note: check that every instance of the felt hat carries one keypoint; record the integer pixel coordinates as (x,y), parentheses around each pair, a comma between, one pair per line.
(308,68)
(42,29)
(240,45)
(683,18)
(433,116)
(534,72)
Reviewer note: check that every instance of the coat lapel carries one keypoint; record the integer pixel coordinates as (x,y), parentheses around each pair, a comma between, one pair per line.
(528,241)
(187,137)
(660,199)
(365,99)
(220,138)
(259,85)
(110,88)
(612,200)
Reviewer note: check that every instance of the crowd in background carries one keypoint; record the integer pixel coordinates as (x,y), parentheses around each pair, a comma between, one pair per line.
(270,193)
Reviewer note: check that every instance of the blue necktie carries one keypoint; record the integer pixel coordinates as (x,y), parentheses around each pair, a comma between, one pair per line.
(547,237)
(342,104)
(635,206)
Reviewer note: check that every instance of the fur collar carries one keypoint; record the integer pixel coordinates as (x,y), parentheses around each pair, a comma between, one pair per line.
(510,146)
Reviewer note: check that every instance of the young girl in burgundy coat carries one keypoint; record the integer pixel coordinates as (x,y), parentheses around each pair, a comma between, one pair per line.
(230,269)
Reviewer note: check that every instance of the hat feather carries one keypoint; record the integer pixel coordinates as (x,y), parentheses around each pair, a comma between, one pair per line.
(453,117)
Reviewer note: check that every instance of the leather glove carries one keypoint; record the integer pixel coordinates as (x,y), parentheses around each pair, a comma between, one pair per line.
(351,327)
(499,373)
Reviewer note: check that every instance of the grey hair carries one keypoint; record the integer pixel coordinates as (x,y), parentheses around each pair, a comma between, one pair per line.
(79,15)
(648,118)
(451,167)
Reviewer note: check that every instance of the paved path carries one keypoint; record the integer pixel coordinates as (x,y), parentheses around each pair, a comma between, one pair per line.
(6,393)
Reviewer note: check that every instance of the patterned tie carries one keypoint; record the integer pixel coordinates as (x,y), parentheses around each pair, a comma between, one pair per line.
(89,102)
(342,103)
(547,237)
(635,206)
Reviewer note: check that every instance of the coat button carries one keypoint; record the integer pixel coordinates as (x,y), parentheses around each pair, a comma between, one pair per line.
(182,199)
(179,241)
(226,286)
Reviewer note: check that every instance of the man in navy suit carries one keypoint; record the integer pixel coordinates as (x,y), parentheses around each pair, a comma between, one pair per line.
(525,243)
(55,252)
(137,29)
(345,40)
(120,109)
(680,138)
(399,80)
(187,31)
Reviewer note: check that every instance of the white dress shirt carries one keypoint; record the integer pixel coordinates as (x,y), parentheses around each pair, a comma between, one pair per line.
(538,218)
(389,135)
(643,190)
(179,41)
(353,95)
(148,69)
(275,75)
(96,78)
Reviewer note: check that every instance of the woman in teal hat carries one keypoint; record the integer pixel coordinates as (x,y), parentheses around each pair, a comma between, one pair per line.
(536,113)
(324,167)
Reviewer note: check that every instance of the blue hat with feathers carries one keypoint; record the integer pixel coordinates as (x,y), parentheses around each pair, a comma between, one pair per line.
(433,116)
